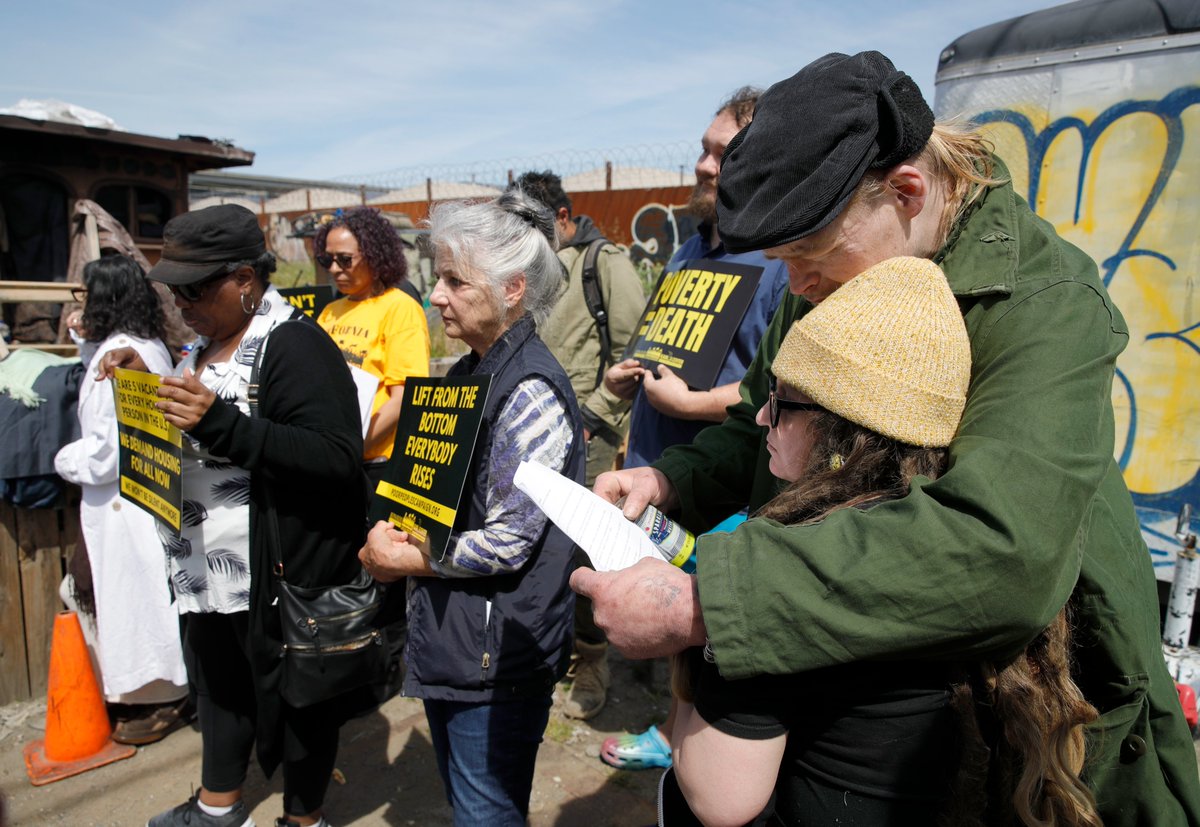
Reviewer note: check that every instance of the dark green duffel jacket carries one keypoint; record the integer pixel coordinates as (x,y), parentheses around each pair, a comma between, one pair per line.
(974,565)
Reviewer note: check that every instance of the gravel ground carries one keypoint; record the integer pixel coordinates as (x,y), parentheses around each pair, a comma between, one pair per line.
(385,775)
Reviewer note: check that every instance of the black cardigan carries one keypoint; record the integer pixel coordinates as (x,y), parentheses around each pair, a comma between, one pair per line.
(305,446)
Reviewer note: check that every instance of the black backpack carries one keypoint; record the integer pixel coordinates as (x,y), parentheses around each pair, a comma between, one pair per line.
(595,302)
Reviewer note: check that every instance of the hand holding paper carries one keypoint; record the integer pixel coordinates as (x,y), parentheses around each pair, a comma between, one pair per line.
(598,527)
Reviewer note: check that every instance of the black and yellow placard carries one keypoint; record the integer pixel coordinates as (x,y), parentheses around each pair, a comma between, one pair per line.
(310,299)
(692,317)
(149,451)
(420,491)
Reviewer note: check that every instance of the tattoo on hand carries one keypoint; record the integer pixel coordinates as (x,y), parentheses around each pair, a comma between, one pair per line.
(663,592)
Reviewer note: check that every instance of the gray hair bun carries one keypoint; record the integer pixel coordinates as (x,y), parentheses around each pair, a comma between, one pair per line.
(531,211)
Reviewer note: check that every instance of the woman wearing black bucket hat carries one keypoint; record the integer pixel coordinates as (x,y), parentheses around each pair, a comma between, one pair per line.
(295,465)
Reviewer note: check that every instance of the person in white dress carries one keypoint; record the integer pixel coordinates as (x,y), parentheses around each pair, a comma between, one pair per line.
(137,641)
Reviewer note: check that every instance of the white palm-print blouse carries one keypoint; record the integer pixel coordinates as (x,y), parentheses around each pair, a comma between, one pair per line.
(209,562)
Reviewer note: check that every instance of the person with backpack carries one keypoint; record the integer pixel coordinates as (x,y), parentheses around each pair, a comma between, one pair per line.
(665,410)
(596,314)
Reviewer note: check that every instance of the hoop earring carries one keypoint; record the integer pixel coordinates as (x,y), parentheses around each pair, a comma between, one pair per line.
(249,311)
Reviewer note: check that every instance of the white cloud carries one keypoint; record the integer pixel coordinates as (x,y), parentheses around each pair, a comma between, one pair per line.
(320,89)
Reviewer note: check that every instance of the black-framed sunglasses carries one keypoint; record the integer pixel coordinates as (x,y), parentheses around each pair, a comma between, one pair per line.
(79,294)
(344,260)
(775,405)
(194,292)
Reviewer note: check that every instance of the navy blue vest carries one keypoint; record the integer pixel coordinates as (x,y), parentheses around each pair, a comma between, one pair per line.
(457,649)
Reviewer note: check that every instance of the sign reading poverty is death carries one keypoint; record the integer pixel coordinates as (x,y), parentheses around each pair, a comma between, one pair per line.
(420,490)
(692,317)
(150,451)
(310,300)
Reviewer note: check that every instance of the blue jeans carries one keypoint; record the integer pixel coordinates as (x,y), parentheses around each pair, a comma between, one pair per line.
(486,753)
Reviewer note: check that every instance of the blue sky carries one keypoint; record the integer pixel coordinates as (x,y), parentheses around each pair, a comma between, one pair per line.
(321,90)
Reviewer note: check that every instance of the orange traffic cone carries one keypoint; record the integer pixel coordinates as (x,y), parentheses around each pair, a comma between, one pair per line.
(78,735)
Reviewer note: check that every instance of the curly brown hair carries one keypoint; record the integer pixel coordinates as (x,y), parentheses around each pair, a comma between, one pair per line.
(850,466)
(377,240)
(741,105)
(1020,723)
(1022,749)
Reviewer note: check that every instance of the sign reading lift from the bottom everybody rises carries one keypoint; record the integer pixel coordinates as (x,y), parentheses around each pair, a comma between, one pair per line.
(435,438)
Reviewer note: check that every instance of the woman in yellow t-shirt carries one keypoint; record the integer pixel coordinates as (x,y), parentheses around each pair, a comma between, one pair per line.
(378,327)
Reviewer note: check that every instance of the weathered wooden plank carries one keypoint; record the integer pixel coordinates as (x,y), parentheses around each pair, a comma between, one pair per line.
(37,291)
(39,535)
(57,349)
(14,665)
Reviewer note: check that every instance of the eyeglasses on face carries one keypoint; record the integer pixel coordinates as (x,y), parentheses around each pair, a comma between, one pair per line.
(79,294)
(344,260)
(194,292)
(775,405)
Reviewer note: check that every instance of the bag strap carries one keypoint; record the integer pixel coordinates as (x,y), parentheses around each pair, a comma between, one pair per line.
(253,388)
(595,301)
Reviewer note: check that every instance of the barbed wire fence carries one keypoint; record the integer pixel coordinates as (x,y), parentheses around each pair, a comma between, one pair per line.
(639,165)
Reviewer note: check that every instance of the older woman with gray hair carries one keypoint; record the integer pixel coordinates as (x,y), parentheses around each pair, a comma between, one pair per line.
(490,625)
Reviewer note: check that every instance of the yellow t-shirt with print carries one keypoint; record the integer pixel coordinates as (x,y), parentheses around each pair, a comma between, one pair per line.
(385,335)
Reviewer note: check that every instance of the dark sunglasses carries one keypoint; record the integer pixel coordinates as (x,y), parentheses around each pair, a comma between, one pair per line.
(79,294)
(775,405)
(193,292)
(344,260)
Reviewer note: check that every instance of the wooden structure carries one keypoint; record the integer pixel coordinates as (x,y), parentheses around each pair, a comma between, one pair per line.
(141,180)
(12,292)
(35,545)
(45,166)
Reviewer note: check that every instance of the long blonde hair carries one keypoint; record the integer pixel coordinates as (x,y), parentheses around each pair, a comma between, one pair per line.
(1023,741)
(959,159)
(1020,723)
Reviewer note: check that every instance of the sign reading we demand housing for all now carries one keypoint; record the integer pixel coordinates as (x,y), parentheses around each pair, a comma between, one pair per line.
(435,438)
(150,449)
(692,317)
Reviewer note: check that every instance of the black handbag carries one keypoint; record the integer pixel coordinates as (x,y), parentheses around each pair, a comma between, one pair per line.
(331,642)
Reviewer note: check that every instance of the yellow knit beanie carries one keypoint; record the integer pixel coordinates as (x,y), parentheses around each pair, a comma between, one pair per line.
(888,350)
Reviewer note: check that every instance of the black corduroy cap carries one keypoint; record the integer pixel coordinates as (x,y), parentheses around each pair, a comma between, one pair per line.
(198,244)
(793,168)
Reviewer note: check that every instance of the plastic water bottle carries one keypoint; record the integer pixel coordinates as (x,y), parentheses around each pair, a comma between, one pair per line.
(675,543)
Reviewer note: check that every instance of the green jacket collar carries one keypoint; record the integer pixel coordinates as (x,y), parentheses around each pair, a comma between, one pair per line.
(980,257)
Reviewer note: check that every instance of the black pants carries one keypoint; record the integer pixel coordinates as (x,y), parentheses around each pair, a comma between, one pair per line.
(586,629)
(393,617)
(214,650)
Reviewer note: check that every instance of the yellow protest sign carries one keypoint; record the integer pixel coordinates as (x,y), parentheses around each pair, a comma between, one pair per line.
(150,448)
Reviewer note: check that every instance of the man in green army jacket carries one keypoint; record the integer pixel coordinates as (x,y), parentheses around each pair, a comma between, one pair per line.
(843,167)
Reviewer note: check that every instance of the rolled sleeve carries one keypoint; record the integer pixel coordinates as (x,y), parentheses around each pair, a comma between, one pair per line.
(972,565)
(532,425)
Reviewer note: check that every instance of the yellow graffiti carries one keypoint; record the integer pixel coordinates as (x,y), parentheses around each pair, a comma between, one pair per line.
(1096,185)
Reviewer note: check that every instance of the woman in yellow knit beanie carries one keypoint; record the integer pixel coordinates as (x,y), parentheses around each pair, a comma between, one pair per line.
(868,391)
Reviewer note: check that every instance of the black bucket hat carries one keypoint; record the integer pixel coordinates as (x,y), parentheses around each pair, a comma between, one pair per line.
(197,245)
(793,168)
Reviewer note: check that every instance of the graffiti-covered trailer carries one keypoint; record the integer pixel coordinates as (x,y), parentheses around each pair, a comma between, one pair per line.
(1095,107)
